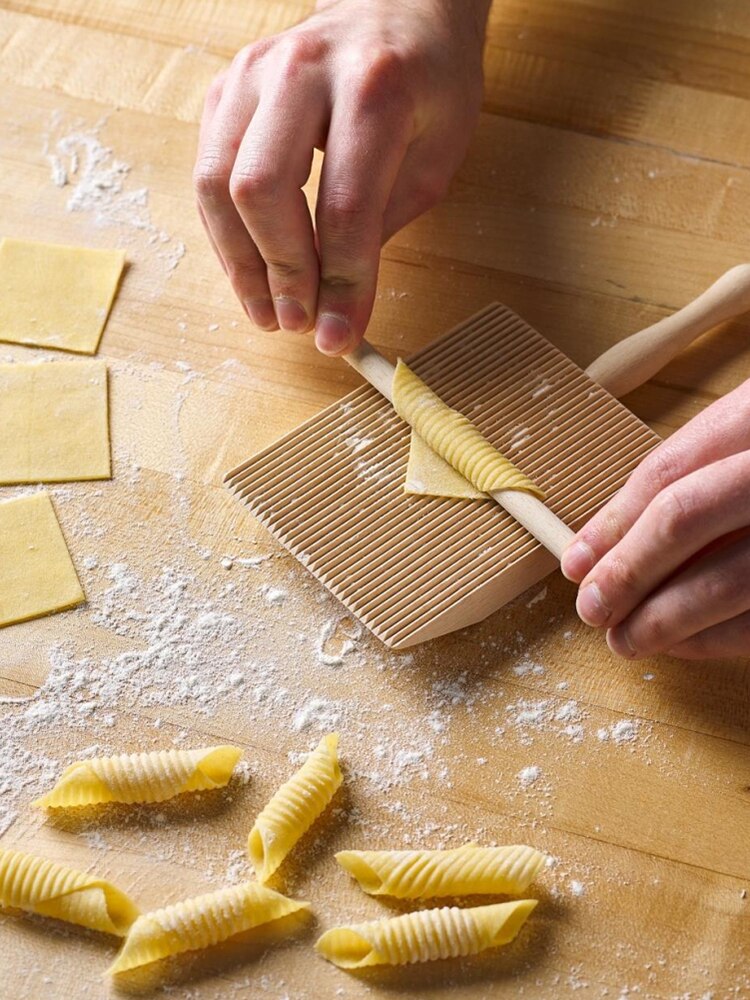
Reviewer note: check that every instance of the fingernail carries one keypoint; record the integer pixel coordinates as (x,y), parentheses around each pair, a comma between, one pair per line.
(262,313)
(291,314)
(577,561)
(619,641)
(332,333)
(590,606)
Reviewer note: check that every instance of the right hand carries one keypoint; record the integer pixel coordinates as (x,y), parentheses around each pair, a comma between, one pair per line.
(391,91)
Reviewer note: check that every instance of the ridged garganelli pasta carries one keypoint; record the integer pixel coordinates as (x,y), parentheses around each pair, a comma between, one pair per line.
(41,886)
(449,932)
(201,922)
(294,808)
(454,437)
(463,871)
(141,777)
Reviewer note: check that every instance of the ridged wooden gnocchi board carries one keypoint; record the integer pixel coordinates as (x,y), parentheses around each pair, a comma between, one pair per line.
(412,568)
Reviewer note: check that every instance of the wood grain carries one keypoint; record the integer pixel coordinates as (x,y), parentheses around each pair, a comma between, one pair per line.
(607,184)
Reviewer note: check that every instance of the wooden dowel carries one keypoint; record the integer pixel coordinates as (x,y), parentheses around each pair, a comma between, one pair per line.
(639,357)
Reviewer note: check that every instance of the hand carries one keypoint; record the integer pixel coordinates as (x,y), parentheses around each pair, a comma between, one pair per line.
(391,90)
(665,565)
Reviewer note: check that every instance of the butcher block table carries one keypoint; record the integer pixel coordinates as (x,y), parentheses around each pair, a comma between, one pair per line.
(608,184)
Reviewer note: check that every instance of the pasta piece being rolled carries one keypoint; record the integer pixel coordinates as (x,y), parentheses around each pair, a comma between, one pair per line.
(463,871)
(454,437)
(449,932)
(200,922)
(141,777)
(41,886)
(294,808)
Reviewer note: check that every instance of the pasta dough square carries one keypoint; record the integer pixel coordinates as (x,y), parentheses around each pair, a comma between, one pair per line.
(56,296)
(37,576)
(55,423)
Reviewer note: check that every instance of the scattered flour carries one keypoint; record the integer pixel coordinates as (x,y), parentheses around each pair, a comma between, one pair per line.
(318,712)
(274,595)
(96,182)
(528,775)
(537,598)
(622,732)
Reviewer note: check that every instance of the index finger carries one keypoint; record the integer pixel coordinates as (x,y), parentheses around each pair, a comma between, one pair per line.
(720,431)
(371,127)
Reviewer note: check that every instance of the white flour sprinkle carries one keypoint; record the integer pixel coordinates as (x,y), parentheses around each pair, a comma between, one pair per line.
(333,647)
(274,595)
(622,732)
(537,598)
(318,712)
(7,819)
(526,667)
(528,775)
(97,184)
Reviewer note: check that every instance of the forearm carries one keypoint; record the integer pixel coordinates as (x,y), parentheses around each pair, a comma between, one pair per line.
(477,11)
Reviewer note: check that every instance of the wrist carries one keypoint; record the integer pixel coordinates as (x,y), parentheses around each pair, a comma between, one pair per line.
(468,18)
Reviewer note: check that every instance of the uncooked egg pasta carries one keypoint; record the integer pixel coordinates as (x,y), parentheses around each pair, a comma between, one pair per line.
(463,871)
(141,777)
(201,922)
(294,808)
(38,885)
(454,437)
(426,935)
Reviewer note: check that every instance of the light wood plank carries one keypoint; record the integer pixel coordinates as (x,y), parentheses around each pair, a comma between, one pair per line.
(645,897)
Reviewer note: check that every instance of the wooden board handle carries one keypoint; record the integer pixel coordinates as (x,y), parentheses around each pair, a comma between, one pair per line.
(639,357)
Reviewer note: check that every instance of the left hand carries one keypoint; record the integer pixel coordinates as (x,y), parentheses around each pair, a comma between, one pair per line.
(665,565)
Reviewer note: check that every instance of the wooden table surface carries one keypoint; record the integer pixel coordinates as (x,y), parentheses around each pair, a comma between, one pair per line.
(608,183)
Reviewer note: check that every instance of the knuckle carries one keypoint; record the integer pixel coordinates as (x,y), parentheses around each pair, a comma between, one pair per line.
(336,279)
(288,269)
(619,577)
(250,55)
(674,515)
(659,468)
(344,211)
(300,50)
(210,182)
(242,271)
(650,632)
(381,75)
(254,187)
(717,588)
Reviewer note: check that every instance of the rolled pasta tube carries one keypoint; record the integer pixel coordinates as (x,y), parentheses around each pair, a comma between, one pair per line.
(200,922)
(141,777)
(454,437)
(463,871)
(294,808)
(39,885)
(424,936)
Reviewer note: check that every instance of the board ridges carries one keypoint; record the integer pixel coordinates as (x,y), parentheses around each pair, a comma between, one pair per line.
(413,567)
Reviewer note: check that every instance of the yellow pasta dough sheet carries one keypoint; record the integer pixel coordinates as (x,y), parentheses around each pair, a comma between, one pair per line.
(449,456)
(56,296)
(54,420)
(37,576)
